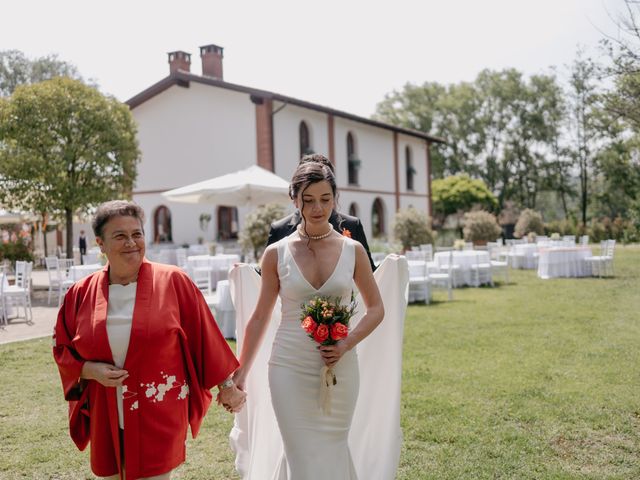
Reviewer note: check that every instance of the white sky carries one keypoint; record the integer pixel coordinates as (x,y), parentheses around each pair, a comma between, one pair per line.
(344,54)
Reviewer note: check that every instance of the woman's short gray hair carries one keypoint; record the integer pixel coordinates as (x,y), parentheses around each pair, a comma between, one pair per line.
(115,208)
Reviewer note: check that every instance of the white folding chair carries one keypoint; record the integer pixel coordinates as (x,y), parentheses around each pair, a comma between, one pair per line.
(418,282)
(442,278)
(428,250)
(480,272)
(20,293)
(415,255)
(497,263)
(584,240)
(181,258)
(603,263)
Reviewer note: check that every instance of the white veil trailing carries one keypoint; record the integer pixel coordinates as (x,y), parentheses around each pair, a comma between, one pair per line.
(375,437)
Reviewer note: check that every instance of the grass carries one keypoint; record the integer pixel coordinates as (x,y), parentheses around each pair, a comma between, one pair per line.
(538,379)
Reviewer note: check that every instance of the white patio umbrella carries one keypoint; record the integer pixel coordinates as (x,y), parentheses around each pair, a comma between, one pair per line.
(13,217)
(250,187)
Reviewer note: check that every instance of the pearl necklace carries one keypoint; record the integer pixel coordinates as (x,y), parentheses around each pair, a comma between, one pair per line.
(314,237)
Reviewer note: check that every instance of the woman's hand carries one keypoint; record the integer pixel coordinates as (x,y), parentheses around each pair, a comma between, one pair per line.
(239,380)
(104,373)
(231,398)
(332,353)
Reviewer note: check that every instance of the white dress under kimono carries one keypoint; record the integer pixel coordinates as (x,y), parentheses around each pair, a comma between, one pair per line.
(283,434)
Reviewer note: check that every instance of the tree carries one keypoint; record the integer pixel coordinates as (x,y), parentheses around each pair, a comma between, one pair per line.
(16,69)
(65,147)
(584,128)
(255,231)
(412,228)
(460,193)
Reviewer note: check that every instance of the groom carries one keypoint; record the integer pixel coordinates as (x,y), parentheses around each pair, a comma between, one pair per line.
(344,224)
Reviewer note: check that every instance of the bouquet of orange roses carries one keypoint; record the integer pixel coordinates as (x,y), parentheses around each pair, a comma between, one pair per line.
(326,321)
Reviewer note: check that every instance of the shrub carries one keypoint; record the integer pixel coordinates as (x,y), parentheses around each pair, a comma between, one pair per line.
(412,228)
(529,221)
(481,226)
(255,231)
(13,251)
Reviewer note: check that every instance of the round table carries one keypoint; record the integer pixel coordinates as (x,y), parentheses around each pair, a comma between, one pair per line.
(462,260)
(77,272)
(564,262)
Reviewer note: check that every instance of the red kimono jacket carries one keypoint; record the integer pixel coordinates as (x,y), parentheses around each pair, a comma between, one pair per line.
(176,354)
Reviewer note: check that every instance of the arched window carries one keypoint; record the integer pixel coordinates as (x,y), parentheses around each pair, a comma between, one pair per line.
(162,225)
(377,218)
(353,162)
(305,139)
(410,171)
(353,210)
(227,223)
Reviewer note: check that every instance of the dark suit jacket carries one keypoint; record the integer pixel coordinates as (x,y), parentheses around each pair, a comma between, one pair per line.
(287,225)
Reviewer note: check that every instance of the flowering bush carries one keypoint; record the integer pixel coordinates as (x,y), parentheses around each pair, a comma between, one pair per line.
(255,230)
(481,226)
(412,228)
(529,221)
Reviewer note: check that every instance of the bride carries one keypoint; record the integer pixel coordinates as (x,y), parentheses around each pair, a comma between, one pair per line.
(315,260)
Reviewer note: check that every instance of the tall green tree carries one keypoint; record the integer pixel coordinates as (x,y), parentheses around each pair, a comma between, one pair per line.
(585,127)
(17,69)
(65,146)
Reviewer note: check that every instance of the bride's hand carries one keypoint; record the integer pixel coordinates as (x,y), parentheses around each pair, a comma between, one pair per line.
(332,353)
(239,380)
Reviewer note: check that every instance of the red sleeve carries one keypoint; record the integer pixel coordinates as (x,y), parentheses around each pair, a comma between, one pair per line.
(210,358)
(68,361)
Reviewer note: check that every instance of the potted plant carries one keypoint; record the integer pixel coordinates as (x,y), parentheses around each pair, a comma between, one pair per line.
(480,227)
(412,228)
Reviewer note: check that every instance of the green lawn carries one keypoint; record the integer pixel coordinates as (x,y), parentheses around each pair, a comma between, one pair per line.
(531,380)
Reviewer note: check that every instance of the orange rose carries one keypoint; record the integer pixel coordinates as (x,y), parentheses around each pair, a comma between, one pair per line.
(321,333)
(346,233)
(339,330)
(309,325)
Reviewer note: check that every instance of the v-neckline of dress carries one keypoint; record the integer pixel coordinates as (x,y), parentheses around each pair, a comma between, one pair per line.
(335,267)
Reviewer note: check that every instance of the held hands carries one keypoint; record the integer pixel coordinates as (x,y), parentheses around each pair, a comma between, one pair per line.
(104,373)
(231,398)
(332,353)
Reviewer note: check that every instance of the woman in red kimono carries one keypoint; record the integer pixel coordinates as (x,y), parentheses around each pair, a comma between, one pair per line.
(138,351)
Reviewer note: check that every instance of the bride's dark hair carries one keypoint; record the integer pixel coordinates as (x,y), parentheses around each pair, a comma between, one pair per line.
(308,173)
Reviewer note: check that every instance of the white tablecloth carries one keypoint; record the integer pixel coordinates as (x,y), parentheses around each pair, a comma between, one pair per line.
(463,259)
(77,272)
(524,255)
(10,310)
(218,265)
(564,262)
(224,313)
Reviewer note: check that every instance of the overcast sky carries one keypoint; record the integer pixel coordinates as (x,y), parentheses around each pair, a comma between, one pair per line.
(343,54)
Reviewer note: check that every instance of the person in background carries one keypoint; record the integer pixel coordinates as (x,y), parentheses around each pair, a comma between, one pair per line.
(344,224)
(82,246)
(138,350)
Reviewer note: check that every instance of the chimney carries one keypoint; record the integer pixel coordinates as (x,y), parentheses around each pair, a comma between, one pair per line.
(211,61)
(179,60)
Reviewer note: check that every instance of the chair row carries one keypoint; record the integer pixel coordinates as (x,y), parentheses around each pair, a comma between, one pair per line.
(12,297)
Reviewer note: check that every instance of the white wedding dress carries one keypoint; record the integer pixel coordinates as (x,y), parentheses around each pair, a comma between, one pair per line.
(283,434)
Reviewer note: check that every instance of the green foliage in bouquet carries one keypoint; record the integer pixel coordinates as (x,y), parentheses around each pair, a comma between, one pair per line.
(325,319)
